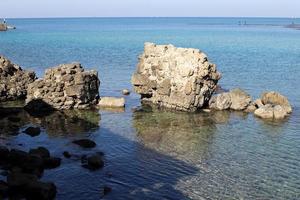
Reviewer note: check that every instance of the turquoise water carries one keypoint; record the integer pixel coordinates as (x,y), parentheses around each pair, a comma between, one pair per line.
(162,155)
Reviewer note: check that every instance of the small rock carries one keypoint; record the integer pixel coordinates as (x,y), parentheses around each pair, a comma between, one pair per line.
(275,98)
(52,162)
(220,101)
(240,100)
(32,131)
(106,190)
(111,102)
(280,112)
(265,112)
(40,151)
(85,143)
(41,191)
(95,162)
(125,92)
(67,154)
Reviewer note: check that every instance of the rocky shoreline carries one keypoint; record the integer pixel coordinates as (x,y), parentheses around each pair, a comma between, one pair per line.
(167,77)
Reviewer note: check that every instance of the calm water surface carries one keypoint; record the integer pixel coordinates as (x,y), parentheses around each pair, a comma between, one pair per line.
(162,155)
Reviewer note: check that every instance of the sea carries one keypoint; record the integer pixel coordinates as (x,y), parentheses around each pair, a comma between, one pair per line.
(155,154)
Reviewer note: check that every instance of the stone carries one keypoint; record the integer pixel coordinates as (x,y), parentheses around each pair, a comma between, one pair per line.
(175,78)
(220,102)
(85,143)
(40,151)
(276,98)
(66,86)
(112,102)
(4,189)
(14,80)
(32,131)
(51,163)
(279,112)
(126,92)
(265,112)
(240,100)
(67,154)
(95,162)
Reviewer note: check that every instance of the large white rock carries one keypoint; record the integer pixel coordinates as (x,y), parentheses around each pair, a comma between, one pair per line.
(176,78)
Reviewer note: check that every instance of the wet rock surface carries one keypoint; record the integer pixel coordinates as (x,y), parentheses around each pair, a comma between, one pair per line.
(66,86)
(176,78)
(85,143)
(13,80)
(24,170)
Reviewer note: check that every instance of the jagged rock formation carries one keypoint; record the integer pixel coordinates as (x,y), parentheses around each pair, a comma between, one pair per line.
(236,99)
(177,78)
(13,80)
(66,86)
(272,105)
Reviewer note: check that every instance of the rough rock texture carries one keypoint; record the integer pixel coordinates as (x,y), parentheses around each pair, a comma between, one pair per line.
(176,78)
(67,86)
(236,99)
(272,105)
(274,98)
(13,80)
(112,102)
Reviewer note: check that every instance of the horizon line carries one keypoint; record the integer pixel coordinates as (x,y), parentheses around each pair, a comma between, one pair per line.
(73,17)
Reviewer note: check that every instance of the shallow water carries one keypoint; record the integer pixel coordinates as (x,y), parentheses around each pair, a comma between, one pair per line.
(164,155)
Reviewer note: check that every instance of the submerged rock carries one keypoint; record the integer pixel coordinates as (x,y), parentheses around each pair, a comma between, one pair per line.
(85,143)
(32,131)
(111,102)
(95,162)
(67,86)
(177,78)
(13,80)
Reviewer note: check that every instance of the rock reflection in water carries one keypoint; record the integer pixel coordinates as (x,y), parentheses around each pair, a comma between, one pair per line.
(56,123)
(188,136)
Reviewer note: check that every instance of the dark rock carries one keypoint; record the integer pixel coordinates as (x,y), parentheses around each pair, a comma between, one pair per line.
(34,164)
(4,153)
(32,131)
(17,157)
(95,162)
(106,190)
(51,163)
(67,154)
(85,143)
(40,151)
(38,190)
(30,187)
(3,189)
(14,119)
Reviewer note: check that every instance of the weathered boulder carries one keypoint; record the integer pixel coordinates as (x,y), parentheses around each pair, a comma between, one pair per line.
(276,98)
(236,99)
(239,99)
(112,102)
(220,102)
(67,86)
(13,80)
(176,78)
(272,105)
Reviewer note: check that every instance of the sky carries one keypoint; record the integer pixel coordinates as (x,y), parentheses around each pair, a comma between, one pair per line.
(149,8)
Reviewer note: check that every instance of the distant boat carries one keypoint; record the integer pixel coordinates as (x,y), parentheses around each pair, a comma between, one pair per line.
(4,26)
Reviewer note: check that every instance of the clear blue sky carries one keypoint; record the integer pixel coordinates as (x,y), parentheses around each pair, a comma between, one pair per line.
(149,8)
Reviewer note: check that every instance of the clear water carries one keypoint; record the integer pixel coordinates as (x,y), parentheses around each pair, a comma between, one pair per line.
(163,155)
